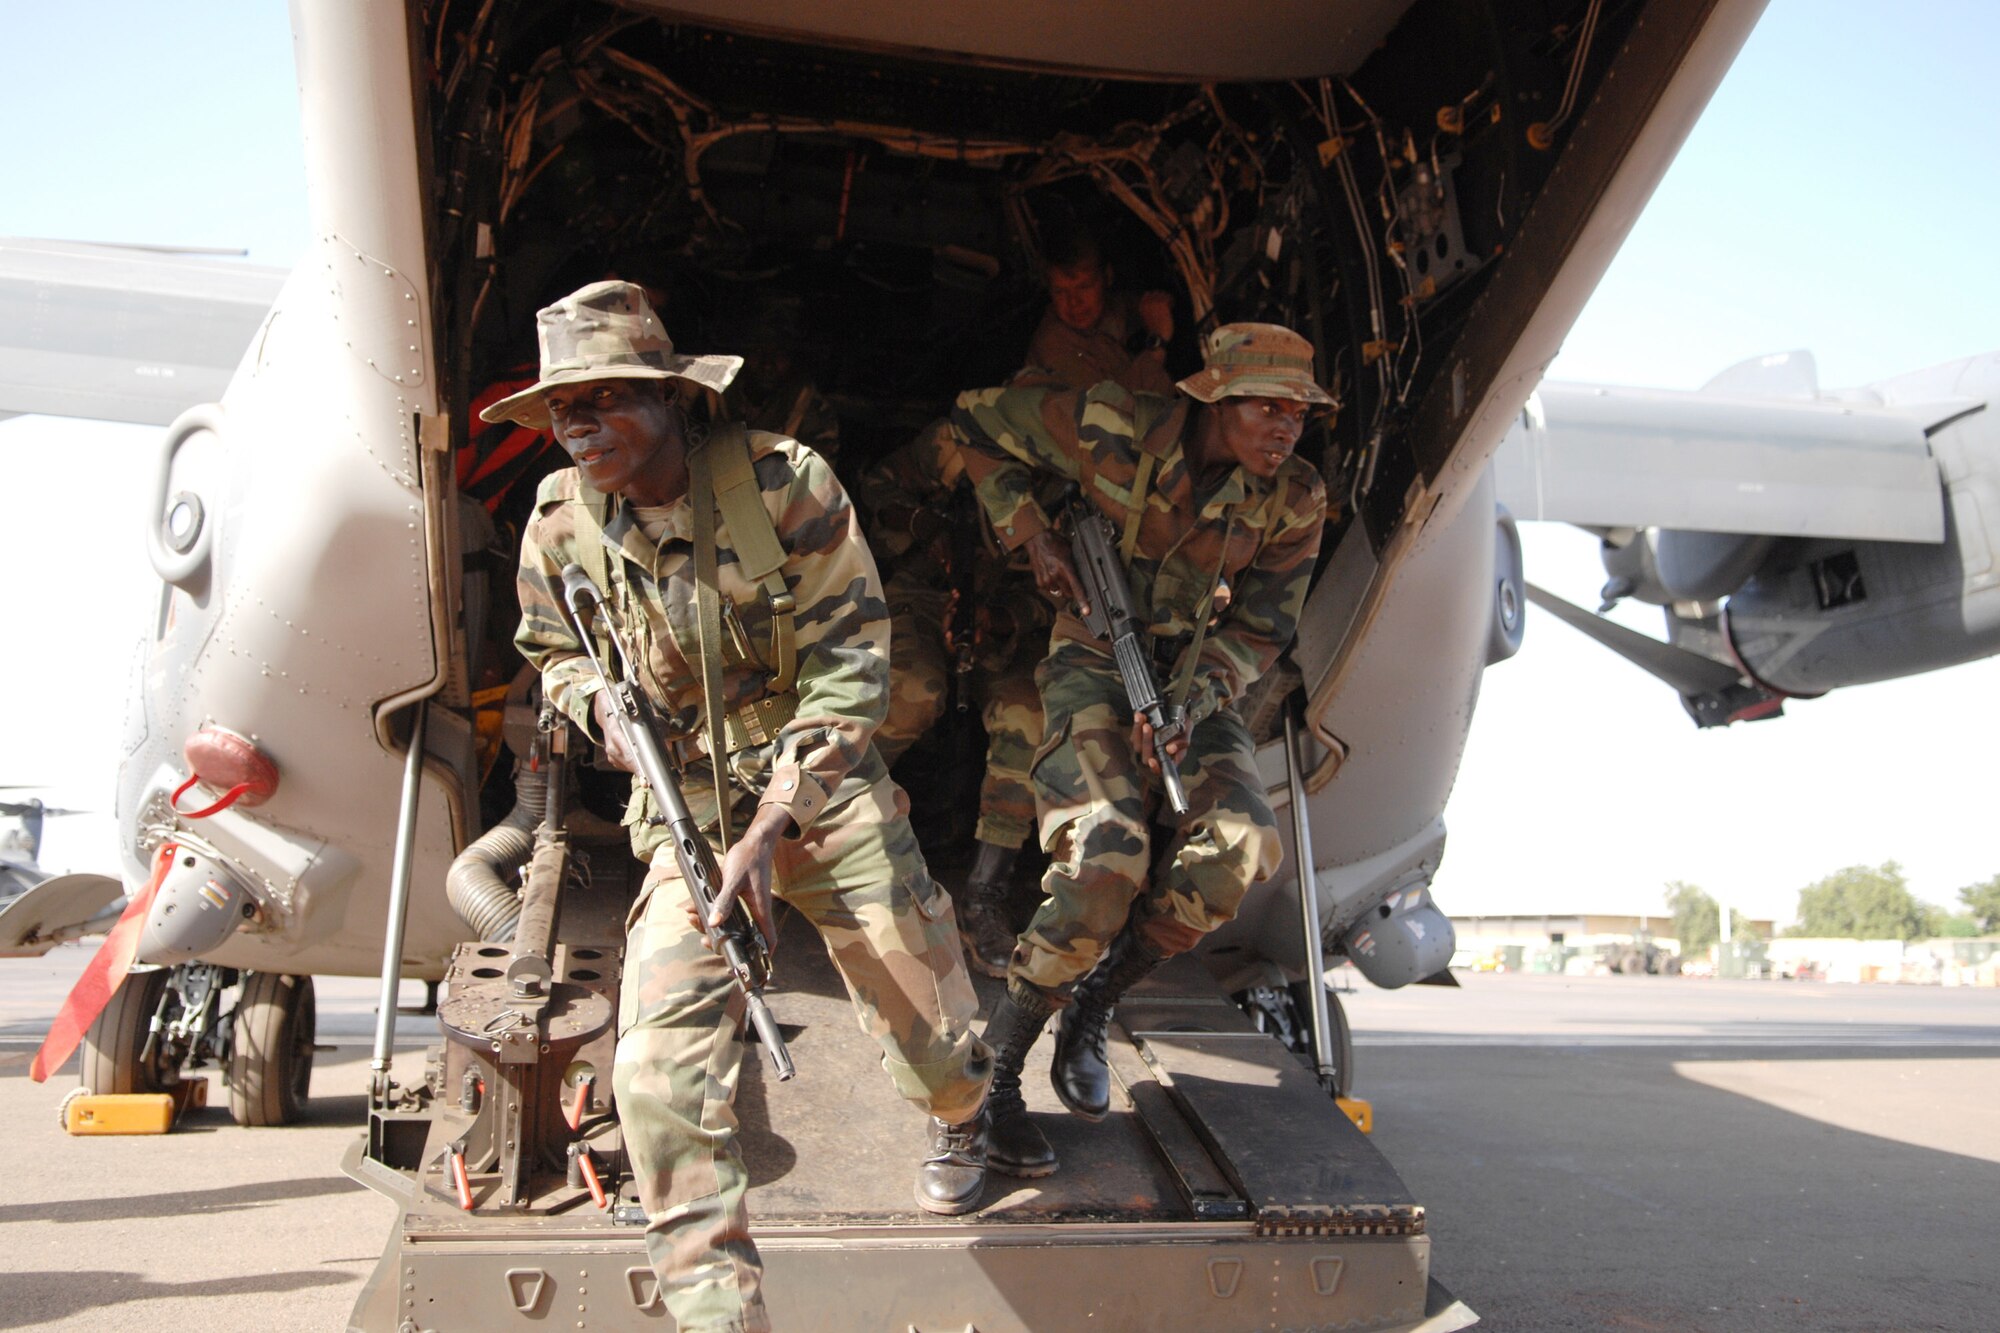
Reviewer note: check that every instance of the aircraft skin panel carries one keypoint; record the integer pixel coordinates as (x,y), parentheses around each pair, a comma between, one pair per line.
(117,334)
(1403,715)
(312,613)
(1404,707)
(1636,458)
(1179,39)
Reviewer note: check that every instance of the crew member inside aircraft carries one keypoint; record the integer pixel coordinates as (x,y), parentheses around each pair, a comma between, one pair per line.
(986,616)
(804,674)
(1093,331)
(1199,492)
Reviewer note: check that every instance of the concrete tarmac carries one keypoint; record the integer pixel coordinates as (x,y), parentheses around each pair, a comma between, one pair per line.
(1595,1153)
(1667,1153)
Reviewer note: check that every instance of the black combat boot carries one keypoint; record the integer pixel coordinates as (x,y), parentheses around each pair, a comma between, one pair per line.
(982,910)
(1080,1073)
(1015,1146)
(953,1176)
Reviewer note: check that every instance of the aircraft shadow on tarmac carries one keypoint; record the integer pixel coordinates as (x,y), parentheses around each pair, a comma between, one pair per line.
(174,1203)
(1603,1186)
(34,1299)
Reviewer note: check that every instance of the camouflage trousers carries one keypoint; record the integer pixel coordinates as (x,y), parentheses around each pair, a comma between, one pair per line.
(1009,703)
(858,877)
(1097,800)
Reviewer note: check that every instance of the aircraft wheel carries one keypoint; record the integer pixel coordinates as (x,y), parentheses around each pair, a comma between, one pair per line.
(1343,1037)
(271,1049)
(113,1046)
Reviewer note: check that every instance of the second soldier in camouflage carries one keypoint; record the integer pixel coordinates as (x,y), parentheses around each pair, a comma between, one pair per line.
(1220,525)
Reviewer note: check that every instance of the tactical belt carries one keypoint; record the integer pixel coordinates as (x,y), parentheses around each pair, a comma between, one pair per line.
(755,723)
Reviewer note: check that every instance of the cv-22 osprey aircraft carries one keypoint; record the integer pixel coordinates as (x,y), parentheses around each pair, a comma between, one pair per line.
(1428,189)
(1797,539)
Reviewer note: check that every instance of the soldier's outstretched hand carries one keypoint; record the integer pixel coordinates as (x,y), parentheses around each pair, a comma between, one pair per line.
(1054,575)
(746,871)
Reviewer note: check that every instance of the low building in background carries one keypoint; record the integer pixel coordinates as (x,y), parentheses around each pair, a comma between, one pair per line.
(1609,943)
(1576,943)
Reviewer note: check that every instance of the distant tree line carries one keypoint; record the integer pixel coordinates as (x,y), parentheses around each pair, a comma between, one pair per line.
(1858,902)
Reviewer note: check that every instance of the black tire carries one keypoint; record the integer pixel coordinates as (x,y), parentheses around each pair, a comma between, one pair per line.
(1343,1037)
(112,1047)
(271,1049)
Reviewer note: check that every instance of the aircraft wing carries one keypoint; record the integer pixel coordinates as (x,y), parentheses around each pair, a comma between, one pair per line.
(1603,457)
(119,333)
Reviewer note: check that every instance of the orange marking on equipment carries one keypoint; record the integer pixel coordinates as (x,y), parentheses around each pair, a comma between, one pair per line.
(590,1178)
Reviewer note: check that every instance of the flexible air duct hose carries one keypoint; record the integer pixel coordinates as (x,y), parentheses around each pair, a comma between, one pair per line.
(478,884)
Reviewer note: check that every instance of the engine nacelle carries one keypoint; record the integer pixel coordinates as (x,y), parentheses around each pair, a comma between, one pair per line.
(1667,565)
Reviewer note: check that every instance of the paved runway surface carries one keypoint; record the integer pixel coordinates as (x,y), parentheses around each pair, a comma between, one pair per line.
(1596,1153)
(1667,1153)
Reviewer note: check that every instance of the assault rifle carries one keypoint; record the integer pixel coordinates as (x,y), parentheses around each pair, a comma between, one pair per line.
(737,939)
(1112,616)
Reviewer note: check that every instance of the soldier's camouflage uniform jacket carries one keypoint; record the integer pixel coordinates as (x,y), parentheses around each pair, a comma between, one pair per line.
(852,865)
(1093,796)
(928,472)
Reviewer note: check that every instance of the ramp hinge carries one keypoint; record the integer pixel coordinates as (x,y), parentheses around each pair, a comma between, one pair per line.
(1318,1219)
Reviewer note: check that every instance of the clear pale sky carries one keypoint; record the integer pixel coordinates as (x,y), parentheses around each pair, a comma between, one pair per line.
(1837,196)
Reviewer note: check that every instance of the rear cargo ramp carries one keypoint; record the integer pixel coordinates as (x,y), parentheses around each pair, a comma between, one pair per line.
(1225,1191)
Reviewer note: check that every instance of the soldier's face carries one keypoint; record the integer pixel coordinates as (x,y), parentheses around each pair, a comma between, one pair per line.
(1077,294)
(1259,434)
(615,430)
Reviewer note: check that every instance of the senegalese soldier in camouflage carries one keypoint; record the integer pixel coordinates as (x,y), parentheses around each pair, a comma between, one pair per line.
(824,820)
(910,495)
(1208,499)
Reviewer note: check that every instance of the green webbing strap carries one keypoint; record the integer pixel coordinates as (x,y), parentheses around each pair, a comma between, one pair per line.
(590,553)
(708,627)
(1145,412)
(1140,481)
(759,554)
(590,536)
(1177,693)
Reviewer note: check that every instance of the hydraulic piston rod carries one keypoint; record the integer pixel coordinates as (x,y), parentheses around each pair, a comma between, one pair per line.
(1309,921)
(399,909)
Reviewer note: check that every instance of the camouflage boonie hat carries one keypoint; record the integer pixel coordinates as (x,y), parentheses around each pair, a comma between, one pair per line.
(605,331)
(1256,361)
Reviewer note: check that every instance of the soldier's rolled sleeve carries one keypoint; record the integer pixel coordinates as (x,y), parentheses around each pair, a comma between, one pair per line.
(841,632)
(1004,435)
(1266,597)
(797,792)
